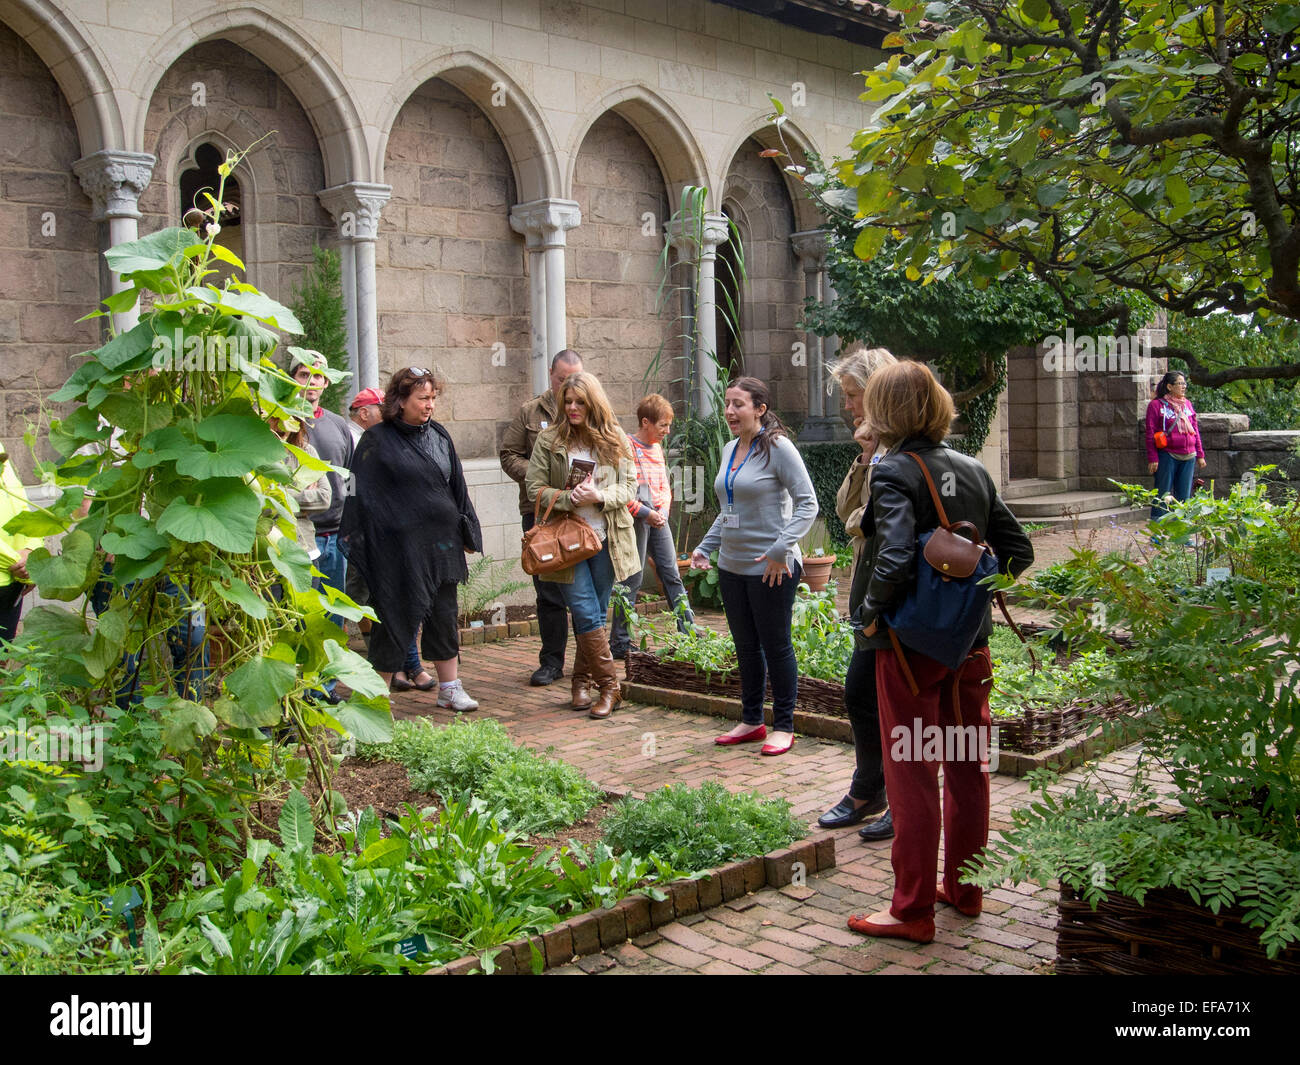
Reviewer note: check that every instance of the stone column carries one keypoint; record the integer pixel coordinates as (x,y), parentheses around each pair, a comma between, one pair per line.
(356,206)
(696,242)
(810,249)
(114,180)
(544,224)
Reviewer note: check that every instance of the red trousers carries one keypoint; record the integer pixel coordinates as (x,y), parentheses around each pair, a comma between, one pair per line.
(920,733)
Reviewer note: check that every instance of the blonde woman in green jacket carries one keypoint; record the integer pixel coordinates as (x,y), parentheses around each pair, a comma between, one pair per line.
(14,549)
(584,465)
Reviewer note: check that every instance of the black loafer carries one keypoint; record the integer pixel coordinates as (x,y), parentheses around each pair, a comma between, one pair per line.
(844,813)
(880,829)
(545,675)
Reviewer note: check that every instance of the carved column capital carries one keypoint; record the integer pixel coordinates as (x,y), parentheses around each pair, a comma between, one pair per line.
(810,249)
(545,222)
(114,180)
(355,206)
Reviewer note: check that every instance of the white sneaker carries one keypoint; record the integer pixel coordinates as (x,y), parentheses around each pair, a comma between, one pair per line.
(456,698)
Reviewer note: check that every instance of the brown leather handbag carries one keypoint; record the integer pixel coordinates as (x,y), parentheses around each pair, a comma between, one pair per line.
(555,545)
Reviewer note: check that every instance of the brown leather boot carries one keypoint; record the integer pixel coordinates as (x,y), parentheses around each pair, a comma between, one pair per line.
(604,672)
(581,677)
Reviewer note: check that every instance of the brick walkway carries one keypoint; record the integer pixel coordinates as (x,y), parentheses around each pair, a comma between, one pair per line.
(794,929)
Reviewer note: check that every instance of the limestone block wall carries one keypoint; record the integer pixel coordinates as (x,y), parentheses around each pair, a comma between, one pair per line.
(48,248)
(613,265)
(1108,406)
(450,271)
(1232,449)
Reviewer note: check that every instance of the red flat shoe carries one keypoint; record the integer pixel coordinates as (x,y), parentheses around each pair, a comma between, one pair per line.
(758,733)
(770,749)
(943,897)
(919,931)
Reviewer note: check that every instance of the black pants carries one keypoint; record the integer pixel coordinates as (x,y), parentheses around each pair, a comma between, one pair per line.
(758,616)
(11,609)
(864,715)
(439,639)
(552,616)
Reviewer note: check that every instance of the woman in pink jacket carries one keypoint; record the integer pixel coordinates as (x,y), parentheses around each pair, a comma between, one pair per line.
(1174,449)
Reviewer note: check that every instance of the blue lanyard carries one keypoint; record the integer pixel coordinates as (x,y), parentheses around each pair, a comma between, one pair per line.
(729,475)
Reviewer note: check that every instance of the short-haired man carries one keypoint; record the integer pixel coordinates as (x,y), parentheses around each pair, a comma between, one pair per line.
(365,411)
(516,449)
(328,433)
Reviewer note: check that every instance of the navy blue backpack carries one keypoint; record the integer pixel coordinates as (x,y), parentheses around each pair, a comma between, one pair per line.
(942,613)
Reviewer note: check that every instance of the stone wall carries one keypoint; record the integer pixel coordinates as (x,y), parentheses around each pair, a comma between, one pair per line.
(242,100)
(48,247)
(613,264)
(1232,449)
(450,271)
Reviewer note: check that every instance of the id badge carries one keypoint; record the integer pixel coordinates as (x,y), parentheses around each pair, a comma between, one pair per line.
(731,521)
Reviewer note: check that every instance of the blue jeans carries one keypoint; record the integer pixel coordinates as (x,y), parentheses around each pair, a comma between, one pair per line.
(334,565)
(186,641)
(658,544)
(588,596)
(1173,477)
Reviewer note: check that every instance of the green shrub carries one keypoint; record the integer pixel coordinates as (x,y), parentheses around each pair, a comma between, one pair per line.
(700,828)
(526,792)
(827,464)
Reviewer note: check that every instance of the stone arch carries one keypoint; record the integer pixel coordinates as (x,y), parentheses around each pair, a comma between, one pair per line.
(74,62)
(757,194)
(680,158)
(318,87)
(763,133)
(518,122)
(282,217)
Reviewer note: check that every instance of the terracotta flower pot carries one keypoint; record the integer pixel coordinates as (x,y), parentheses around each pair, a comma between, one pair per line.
(817,571)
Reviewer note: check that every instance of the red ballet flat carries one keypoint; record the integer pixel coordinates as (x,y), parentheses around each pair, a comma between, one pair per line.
(943,897)
(918,931)
(757,733)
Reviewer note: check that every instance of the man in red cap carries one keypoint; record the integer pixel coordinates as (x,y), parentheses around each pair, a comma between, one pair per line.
(365,411)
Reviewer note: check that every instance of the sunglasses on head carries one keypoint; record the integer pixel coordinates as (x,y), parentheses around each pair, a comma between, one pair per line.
(418,371)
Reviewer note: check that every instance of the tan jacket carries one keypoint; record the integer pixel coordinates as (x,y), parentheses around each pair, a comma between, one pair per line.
(851,503)
(548,469)
(539,413)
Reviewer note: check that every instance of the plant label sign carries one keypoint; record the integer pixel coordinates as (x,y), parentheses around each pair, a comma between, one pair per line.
(409,948)
(1216,574)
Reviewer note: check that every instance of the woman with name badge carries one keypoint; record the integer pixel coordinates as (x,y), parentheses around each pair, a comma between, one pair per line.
(768,503)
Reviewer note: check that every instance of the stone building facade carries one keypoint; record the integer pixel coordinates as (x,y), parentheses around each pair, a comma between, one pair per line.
(497,176)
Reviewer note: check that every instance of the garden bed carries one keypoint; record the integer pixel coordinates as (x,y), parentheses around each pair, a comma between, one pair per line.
(1169,935)
(602,929)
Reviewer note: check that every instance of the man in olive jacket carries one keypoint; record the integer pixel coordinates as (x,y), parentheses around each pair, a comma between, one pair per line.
(537,414)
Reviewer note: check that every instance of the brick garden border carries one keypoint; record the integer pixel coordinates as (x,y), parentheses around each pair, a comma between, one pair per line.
(1010,763)
(599,930)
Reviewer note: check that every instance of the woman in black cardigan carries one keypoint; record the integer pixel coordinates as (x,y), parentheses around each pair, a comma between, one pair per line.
(407,529)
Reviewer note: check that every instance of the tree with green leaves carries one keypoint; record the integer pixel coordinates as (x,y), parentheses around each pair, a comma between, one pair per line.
(318,305)
(1109,147)
(963,331)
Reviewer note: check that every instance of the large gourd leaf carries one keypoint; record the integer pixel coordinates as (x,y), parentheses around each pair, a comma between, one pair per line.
(222,511)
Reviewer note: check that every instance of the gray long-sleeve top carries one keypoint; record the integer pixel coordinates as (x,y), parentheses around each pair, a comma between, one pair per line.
(775,504)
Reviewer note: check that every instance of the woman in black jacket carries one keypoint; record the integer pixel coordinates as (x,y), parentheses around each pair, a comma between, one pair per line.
(407,529)
(930,715)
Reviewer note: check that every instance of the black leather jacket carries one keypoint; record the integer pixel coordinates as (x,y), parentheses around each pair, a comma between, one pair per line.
(901,510)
